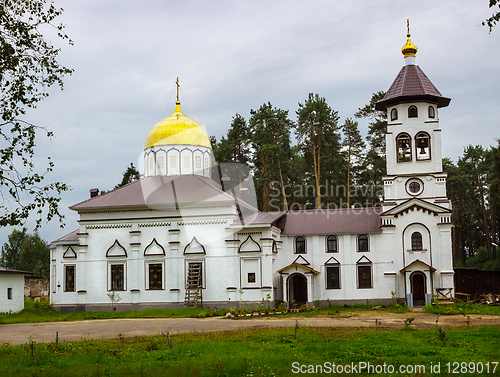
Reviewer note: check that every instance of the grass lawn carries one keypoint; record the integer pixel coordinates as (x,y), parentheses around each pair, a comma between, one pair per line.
(43,312)
(263,352)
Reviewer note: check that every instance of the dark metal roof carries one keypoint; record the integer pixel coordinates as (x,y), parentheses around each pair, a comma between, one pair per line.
(160,191)
(261,218)
(70,238)
(412,84)
(4,270)
(333,221)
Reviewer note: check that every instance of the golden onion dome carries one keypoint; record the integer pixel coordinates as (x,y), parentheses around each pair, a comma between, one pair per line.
(177,129)
(409,49)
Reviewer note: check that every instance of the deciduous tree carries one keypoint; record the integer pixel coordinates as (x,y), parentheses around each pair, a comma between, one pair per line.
(28,66)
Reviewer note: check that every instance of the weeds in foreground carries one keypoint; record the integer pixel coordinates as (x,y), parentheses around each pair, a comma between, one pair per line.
(256,352)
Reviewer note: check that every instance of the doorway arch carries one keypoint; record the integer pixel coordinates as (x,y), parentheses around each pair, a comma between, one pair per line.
(297,289)
(418,285)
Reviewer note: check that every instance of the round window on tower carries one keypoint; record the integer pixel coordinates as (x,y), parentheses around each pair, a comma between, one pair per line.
(414,186)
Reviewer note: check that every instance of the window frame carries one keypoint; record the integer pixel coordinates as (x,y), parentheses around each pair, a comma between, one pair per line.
(73,277)
(173,161)
(112,279)
(295,245)
(420,136)
(337,266)
(358,273)
(335,238)
(417,241)
(148,275)
(9,293)
(360,250)
(394,114)
(409,182)
(399,157)
(431,112)
(410,111)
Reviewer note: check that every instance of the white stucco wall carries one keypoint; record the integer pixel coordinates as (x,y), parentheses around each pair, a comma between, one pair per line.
(16,283)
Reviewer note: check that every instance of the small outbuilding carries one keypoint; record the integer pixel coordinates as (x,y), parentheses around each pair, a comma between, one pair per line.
(12,289)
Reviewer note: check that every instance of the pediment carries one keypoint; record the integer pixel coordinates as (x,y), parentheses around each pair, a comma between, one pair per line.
(154,248)
(301,260)
(332,260)
(116,250)
(69,253)
(194,247)
(296,267)
(249,246)
(363,259)
(417,265)
(416,204)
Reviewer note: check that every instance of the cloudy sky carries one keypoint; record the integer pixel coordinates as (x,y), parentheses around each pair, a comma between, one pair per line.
(232,56)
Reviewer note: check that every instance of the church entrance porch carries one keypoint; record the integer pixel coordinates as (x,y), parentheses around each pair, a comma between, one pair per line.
(297,290)
(296,284)
(418,288)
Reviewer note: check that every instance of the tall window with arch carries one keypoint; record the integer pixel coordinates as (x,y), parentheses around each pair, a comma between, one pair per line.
(416,241)
(403,144)
(413,112)
(363,243)
(300,245)
(331,244)
(423,146)
(394,114)
(431,112)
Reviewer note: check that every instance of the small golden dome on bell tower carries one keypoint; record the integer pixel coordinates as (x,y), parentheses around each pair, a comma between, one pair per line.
(409,49)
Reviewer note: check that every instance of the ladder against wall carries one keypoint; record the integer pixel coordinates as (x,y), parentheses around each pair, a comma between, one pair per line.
(194,285)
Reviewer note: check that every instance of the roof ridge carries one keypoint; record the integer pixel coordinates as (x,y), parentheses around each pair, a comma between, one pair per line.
(107,192)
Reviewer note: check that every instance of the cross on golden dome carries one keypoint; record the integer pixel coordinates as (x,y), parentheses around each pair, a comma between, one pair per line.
(409,49)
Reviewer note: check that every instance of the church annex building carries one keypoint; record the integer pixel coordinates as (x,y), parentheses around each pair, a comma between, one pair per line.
(176,238)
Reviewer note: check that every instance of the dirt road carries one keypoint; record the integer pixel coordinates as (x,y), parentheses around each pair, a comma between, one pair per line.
(110,328)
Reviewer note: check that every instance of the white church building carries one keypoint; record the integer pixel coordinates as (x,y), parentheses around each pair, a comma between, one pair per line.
(176,237)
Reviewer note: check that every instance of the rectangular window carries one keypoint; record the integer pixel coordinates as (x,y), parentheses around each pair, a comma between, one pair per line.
(333,277)
(173,161)
(9,293)
(186,161)
(206,162)
(365,276)
(69,278)
(117,277)
(151,163)
(194,278)
(198,162)
(155,276)
(251,277)
(160,162)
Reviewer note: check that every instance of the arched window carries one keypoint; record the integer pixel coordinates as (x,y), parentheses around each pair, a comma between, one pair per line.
(331,244)
(363,242)
(403,144)
(416,241)
(394,114)
(300,245)
(423,146)
(432,112)
(412,112)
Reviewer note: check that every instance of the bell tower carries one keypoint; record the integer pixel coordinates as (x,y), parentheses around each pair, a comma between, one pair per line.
(413,139)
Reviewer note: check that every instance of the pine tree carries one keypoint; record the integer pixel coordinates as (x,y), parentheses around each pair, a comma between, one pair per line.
(354,145)
(130,175)
(375,162)
(270,128)
(318,135)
